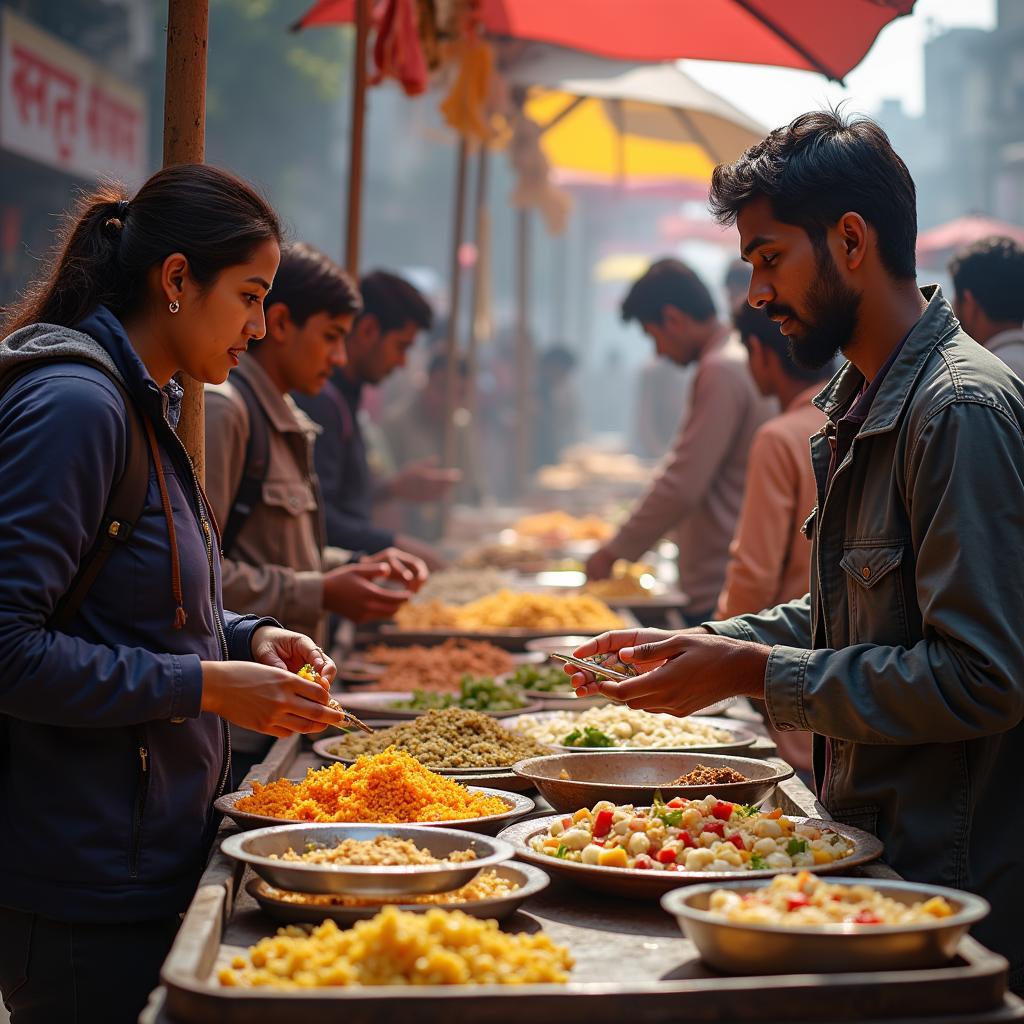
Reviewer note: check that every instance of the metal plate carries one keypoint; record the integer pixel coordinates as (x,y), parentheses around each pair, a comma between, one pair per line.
(517,805)
(322,748)
(255,848)
(774,949)
(630,778)
(641,884)
(742,738)
(531,881)
(376,705)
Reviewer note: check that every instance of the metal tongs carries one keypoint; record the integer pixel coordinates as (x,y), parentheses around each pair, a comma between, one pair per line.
(593,668)
(350,719)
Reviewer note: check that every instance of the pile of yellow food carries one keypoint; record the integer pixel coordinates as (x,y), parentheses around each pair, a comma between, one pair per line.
(559,526)
(381,851)
(400,947)
(488,885)
(802,900)
(509,609)
(386,788)
(628,579)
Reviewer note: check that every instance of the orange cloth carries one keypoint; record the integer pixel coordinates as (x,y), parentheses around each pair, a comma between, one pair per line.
(769,559)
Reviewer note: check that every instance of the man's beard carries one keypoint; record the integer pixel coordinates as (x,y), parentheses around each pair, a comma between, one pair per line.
(832,315)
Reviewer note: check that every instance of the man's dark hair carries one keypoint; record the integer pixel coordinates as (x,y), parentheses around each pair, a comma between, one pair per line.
(992,270)
(668,282)
(820,166)
(394,302)
(308,282)
(754,323)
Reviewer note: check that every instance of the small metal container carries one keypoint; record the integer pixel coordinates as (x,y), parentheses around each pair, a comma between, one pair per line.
(571,781)
(255,848)
(774,949)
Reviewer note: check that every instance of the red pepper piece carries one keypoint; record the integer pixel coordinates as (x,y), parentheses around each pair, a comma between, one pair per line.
(797,900)
(676,802)
(867,917)
(716,828)
(643,862)
(602,823)
(685,838)
(722,810)
(736,841)
(666,856)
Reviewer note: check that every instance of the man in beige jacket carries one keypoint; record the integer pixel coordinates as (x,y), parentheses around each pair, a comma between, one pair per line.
(698,491)
(276,561)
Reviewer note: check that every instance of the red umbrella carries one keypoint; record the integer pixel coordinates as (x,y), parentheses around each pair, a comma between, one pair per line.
(940,242)
(830,36)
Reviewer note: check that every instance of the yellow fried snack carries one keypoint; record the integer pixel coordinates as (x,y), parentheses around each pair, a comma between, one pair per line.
(399,947)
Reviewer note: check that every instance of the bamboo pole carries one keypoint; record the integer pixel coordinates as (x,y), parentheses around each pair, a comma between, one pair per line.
(353,221)
(452,341)
(185,142)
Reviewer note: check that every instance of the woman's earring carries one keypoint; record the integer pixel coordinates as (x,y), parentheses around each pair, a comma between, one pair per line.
(174,306)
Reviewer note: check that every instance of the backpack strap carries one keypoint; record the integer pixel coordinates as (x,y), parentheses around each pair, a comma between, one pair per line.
(254,473)
(125,503)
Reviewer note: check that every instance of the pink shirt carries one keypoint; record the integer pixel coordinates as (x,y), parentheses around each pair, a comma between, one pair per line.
(769,557)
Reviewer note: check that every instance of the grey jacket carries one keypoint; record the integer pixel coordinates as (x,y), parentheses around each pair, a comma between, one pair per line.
(908,653)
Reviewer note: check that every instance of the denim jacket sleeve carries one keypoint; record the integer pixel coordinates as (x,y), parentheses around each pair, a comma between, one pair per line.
(963,476)
(239,630)
(788,624)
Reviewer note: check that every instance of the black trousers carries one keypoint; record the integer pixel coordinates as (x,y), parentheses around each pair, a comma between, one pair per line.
(55,972)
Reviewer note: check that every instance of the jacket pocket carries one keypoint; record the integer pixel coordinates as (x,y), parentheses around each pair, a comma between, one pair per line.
(877,603)
(141,797)
(864,817)
(294,497)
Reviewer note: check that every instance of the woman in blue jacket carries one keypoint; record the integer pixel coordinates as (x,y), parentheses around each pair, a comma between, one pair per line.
(112,736)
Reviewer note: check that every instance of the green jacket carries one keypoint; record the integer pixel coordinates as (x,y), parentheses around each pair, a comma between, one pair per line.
(908,653)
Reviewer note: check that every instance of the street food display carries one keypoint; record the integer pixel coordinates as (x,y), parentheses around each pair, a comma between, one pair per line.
(554,528)
(805,900)
(397,947)
(389,787)
(627,580)
(615,725)
(452,738)
(460,586)
(702,775)
(689,835)
(437,668)
(522,554)
(508,609)
(473,695)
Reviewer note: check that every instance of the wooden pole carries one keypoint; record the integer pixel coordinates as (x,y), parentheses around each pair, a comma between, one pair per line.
(353,222)
(452,341)
(481,289)
(524,354)
(185,143)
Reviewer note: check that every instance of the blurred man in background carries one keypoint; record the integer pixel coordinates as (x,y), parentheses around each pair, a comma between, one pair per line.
(394,312)
(699,490)
(988,280)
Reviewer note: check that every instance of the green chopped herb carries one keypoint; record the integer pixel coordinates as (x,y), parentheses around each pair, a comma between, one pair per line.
(672,818)
(758,863)
(747,810)
(562,852)
(590,737)
(795,846)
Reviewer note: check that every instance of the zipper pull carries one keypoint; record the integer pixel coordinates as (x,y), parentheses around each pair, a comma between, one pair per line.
(144,758)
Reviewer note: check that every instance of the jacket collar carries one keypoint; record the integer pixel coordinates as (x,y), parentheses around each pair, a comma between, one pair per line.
(935,324)
(108,332)
(284,415)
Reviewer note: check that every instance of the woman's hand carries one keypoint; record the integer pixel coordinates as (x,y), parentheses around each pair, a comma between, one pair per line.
(286,649)
(268,699)
(681,672)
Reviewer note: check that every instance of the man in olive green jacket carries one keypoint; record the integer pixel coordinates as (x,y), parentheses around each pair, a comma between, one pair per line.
(906,659)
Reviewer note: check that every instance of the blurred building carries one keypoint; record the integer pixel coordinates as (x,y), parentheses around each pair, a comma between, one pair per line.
(966,151)
(74,107)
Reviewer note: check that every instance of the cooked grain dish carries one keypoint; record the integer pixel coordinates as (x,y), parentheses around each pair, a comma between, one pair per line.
(381,851)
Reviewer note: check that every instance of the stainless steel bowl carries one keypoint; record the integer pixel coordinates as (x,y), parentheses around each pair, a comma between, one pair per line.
(634,778)
(257,847)
(489,824)
(530,880)
(773,949)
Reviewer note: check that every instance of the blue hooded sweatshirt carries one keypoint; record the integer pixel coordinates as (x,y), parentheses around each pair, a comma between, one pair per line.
(108,766)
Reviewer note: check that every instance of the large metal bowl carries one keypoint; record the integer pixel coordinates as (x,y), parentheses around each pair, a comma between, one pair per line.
(377,704)
(634,778)
(323,748)
(634,883)
(257,847)
(489,824)
(773,949)
(530,880)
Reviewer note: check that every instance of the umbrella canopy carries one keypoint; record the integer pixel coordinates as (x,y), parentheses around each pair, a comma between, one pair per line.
(645,125)
(830,36)
(937,244)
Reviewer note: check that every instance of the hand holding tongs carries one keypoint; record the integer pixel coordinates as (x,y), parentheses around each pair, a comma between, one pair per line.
(593,668)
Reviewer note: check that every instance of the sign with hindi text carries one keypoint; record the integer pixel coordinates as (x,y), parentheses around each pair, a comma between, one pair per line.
(60,108)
